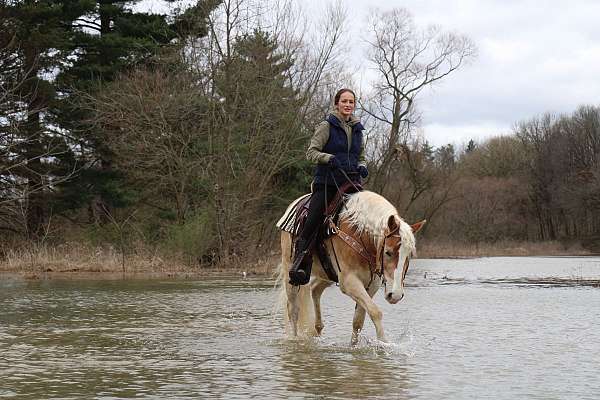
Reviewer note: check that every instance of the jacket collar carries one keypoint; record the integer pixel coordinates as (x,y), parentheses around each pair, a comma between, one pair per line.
(335,118)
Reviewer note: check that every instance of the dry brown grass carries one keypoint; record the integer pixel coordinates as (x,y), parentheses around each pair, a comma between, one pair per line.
(447,249)
(72,257)
(75,260)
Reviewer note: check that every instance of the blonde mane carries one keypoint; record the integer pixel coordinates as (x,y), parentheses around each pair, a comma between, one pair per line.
(369,212)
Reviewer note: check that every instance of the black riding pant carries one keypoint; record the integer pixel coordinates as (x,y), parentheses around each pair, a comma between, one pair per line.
(321,196)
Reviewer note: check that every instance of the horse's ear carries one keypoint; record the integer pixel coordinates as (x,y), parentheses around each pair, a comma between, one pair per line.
(392,223)
(416,227)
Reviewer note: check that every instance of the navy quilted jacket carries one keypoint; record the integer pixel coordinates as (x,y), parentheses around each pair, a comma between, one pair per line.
(337,144)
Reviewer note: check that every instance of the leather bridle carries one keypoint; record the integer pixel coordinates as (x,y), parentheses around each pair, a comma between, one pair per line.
(360,249)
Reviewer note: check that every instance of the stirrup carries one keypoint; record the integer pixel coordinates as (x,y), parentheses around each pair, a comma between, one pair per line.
(299,273)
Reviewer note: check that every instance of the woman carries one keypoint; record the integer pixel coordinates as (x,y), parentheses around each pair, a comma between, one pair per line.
(337,149)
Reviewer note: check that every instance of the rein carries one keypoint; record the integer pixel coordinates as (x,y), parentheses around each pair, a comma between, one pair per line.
(358,247)
(362,251)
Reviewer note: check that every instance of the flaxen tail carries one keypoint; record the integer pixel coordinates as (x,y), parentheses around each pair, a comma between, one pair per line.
(294,301)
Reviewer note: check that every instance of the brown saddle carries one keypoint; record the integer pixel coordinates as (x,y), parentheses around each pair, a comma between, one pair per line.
(333,208)
(331,213)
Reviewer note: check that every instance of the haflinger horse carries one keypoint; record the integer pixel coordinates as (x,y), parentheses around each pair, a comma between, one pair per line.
(388,243)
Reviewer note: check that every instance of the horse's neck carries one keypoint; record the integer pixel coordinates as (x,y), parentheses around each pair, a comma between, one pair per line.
(365,238)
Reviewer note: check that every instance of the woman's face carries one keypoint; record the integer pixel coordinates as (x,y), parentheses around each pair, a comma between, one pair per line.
(345,105)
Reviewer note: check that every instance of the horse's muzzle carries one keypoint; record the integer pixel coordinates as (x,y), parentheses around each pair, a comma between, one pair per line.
(392,299)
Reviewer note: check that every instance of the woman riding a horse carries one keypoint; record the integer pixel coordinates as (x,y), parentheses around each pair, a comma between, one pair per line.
(337,149)
(371,245)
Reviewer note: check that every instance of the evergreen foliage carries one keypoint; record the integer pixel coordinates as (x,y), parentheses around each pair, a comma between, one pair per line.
(33,44)
(108,39)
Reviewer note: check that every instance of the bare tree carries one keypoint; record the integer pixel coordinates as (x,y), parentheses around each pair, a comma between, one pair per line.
(314,47)
(156,124)
(562,169)
(313,50)
(407,60)
(319,64)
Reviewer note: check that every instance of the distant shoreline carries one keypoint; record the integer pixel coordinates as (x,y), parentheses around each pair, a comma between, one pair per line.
(507,248)
(107,264)
(116,276)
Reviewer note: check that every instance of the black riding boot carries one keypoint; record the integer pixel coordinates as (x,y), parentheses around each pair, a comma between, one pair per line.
(300,270)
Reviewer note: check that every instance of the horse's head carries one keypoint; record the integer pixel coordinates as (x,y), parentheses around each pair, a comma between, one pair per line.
(395,252)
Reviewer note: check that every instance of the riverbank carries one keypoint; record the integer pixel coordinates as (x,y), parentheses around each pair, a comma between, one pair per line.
(74,261)
(507,248)
(81,262)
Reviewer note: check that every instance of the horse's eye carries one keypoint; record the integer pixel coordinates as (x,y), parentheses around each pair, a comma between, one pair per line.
(388,253)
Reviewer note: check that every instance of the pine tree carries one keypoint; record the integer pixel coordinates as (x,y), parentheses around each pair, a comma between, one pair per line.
(109,39)
(33,42)
(262,141)
(445,156)
(471,146)
(428,151)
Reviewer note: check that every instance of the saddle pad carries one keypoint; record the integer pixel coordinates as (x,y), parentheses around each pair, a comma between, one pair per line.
(286,222)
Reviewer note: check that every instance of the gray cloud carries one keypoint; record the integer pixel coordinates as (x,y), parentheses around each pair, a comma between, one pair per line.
(534,57)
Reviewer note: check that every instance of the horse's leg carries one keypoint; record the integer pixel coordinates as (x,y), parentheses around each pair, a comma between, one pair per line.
(317,289)
(291,293)
(353,287)
(292,307)
(359,316)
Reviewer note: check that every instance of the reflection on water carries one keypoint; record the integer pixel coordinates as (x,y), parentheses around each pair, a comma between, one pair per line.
(315,368)
(499,328)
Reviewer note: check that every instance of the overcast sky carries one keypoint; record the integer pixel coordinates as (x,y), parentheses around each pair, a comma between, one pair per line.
(533,57)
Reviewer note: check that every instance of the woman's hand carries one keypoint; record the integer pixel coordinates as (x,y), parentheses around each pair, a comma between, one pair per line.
(334,163)
(363,171)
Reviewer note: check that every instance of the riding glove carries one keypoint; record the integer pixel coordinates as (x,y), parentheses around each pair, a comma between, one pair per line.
(363,171)
(334,162)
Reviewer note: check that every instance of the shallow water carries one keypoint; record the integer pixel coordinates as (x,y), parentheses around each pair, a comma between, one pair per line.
(501,328)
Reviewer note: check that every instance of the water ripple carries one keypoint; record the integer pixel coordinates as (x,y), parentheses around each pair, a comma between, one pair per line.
(547,282)
(466,331)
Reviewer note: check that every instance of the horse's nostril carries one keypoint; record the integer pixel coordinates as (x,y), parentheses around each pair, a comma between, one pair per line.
(389,296)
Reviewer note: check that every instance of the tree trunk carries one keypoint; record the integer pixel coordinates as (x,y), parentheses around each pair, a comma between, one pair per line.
(36,213)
